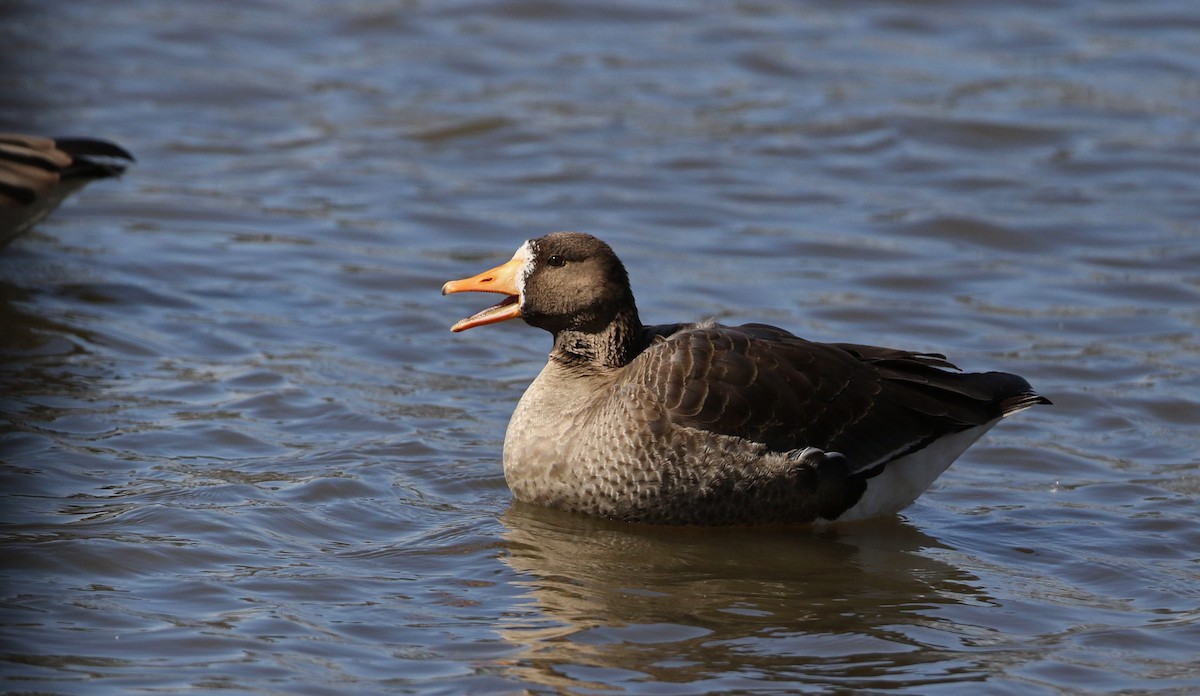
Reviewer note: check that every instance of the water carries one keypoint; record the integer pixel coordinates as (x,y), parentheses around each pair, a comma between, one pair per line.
(243,452)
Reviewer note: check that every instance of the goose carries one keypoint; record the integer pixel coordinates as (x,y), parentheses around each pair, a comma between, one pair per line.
(37,173)
(705,424)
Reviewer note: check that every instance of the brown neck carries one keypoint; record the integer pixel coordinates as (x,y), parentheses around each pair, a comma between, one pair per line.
(612,347)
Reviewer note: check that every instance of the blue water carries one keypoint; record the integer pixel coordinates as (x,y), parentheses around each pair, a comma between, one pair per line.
(242,451)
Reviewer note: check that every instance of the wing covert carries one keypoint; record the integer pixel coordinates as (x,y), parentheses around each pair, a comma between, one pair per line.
(764,384)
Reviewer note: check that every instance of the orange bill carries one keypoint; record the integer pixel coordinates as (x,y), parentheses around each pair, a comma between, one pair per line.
(501,279)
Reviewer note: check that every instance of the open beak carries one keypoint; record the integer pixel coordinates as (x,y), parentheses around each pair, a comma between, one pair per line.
(501,279)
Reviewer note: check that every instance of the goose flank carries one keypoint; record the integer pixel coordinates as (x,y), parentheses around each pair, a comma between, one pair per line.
(38,173)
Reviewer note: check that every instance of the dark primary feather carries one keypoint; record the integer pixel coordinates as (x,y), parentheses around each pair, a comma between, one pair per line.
(65,158)
(767,385)
(92,158)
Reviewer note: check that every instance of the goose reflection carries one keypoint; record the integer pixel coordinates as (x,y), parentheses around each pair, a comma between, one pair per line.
(612,601)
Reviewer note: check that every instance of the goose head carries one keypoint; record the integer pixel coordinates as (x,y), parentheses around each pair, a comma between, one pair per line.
(562,282)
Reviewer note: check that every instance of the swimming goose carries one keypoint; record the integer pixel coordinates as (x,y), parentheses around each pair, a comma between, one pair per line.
(716,425)
(37,173)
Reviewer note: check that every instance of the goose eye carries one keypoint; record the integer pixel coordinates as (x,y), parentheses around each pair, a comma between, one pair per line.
(556,260)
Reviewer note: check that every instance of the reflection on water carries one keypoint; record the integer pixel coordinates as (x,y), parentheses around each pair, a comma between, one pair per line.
(698,606)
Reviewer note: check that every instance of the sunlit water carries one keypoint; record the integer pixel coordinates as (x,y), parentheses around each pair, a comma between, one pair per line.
(242,450)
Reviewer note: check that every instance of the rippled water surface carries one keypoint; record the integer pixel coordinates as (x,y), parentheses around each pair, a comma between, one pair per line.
(242,451)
